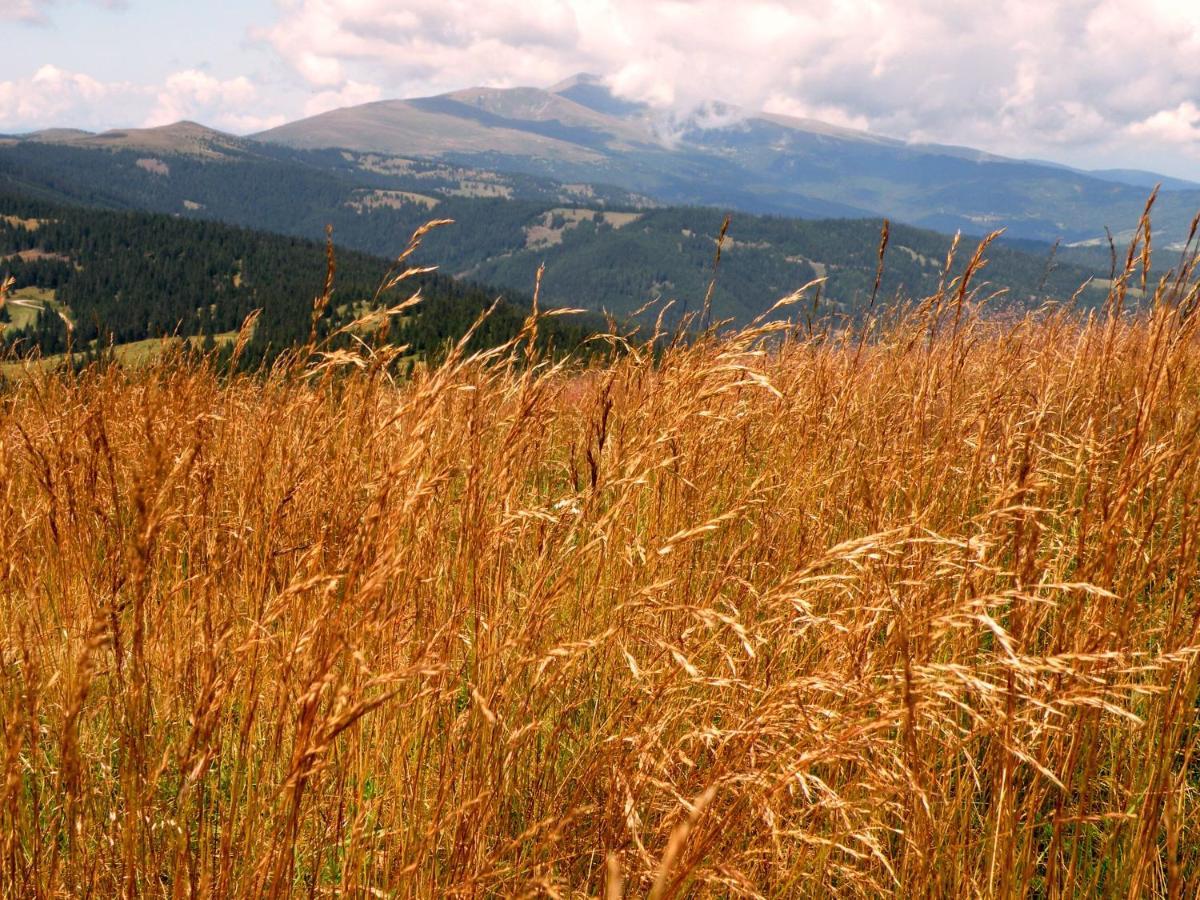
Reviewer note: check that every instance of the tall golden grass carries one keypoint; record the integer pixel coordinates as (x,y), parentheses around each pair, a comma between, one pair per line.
(784,613)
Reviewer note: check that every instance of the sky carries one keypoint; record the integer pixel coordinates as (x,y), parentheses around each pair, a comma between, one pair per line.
(1090,83)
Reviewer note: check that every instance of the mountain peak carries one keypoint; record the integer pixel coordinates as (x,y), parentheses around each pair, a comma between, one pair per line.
(591,91)
(56,135)
(579,78)
(185,137)
(718,154)
(186,126)
(182,128)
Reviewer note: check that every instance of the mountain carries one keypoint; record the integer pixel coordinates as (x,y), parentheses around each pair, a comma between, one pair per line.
(181,137)
(169,170)
(127,277)
(1135,177)
(1141,178)
(722,155)
(427,128)
(564,135)
(604,248)
(579,133)
(619,261)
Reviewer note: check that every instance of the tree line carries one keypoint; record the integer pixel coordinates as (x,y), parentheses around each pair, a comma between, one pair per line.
(128,276)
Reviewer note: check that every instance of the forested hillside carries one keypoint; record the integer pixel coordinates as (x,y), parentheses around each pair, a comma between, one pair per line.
(603,248)
(118,277)
(669,253)
(273,188)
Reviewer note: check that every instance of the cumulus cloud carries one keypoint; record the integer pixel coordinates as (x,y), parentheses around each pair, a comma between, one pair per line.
(51,94)
(1014,76)
(229,104)
(57,97)
(1100,82)
(352,93)
(1180,125)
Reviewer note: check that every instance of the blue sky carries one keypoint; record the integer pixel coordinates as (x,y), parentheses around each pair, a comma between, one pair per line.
(1069,80)
(141,41)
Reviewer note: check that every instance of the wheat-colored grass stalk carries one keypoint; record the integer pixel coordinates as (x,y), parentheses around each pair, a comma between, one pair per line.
(777,613)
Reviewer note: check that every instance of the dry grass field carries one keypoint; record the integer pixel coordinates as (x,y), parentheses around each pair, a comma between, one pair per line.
(793,612)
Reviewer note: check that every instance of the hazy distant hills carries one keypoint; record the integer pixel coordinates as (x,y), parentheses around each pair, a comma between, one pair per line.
(1147,180)
(187,169)
(579,133)
(620,204)
(181,137)
(723,156)
(603,247)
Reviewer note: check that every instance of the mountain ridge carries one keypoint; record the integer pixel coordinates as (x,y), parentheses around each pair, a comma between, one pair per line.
(184,136)
(714,154)
(603,247)
(721,155)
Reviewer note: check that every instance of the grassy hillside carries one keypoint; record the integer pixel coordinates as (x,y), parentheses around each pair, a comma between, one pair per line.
(788,613)
(261,186)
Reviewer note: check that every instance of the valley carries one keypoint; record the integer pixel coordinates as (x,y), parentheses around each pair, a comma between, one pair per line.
(605,248)
(91,279)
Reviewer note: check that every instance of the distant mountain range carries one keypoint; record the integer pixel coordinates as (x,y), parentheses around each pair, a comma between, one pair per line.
(182,137)
(603,247)
(720,155)
(579,132)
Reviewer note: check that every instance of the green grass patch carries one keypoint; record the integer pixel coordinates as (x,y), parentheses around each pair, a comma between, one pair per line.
(134,353)
(21,315)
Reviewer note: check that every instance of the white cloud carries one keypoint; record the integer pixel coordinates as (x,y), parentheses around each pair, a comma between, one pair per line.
(57,97)
(192,94)
(1180,125)
(782,104)
(51,95)
(248,123)
(1103,82)
(352,93)
(1017,76)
